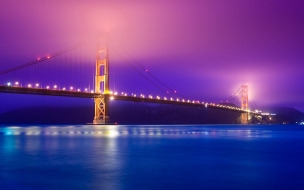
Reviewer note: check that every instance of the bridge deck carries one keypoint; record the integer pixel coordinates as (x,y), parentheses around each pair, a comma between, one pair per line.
(68,93)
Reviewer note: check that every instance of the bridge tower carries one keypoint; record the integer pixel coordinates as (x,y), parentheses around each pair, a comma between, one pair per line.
(102,75)
(244,104)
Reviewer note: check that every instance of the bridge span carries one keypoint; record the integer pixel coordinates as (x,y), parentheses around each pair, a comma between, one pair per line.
(114,96)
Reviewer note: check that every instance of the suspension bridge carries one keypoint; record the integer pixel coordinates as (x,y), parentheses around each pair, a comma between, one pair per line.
(77,72)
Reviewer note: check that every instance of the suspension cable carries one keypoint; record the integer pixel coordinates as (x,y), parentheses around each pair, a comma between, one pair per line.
(140,72)
(233,95)
(149,73)
(39,60)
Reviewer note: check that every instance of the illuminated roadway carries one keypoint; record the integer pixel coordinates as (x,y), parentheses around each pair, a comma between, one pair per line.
(124,97)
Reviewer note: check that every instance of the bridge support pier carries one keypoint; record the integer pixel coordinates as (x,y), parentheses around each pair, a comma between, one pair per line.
(244,118)
(101,110)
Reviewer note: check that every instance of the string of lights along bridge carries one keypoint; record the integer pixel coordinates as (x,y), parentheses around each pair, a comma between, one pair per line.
(82,71)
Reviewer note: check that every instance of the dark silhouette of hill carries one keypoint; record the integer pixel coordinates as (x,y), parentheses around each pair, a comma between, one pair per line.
(40,115)
(130,113)
(286,115)
(170,114)
(140,113)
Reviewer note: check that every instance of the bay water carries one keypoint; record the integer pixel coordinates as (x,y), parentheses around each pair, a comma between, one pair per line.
(152,157)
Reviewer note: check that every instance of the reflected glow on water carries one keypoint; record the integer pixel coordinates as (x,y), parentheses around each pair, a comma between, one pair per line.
(116,131)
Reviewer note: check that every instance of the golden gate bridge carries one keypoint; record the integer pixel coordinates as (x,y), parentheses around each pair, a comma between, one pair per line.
(73,73)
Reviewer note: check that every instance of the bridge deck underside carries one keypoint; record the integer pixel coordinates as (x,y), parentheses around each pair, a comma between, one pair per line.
(66,93)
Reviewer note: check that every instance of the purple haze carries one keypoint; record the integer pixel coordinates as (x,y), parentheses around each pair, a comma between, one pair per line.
(205,49)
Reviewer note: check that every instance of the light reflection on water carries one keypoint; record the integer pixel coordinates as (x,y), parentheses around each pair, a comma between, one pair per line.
(112,131)
(151,157)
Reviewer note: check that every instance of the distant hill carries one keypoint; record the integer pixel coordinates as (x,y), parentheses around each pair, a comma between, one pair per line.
(286,115)
(132,113)
(171,114)
(140,113)
(41,115)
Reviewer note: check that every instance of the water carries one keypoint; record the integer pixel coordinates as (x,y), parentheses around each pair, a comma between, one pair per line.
(152,157)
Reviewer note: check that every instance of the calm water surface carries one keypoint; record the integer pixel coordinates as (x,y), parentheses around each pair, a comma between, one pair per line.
(152,157)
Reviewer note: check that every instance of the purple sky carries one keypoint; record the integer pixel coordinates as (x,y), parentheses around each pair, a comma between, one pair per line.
(206,49)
